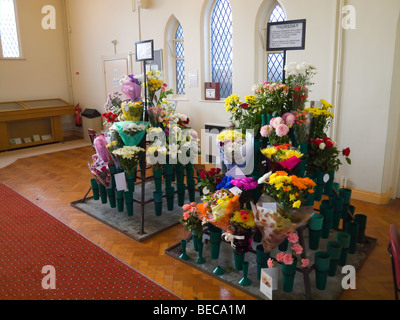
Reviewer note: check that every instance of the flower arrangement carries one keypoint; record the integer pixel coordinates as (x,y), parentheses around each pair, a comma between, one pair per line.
(132,110)
(300,95)
(190,218)
(321,119)
(100,171)
(208,180)
(243,218)
(284,155)
(244,115)
(296,250)
(272,97)
(299,74)
(231,144)
(113,105)
(131,86)
(241,228)
(278,129)
(113,145)
(289,190)
(245,184)
(301,126)
(128,157)
(156,115)
(324,156)
(133,128)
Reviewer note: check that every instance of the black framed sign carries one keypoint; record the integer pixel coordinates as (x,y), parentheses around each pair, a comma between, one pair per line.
(286,35)
(144,50)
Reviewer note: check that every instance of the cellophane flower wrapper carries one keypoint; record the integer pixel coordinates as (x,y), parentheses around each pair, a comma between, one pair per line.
(132,90)
(290,163)
(276,227)
(100,145)
(100,171)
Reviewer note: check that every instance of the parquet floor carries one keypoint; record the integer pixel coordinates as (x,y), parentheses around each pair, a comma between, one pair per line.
(53,181)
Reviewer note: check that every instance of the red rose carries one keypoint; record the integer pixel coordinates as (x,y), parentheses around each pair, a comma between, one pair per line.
(346,152)
(244,105)
(329,143)
(202,174)
(218,180)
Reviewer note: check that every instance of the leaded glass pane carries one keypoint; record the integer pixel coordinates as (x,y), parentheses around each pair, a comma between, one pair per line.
(8,30)
(221,46)
(180,62)
(275,60)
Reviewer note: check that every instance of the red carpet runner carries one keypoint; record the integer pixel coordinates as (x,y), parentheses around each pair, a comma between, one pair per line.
(30,239)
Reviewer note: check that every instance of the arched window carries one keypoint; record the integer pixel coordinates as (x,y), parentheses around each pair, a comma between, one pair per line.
(9,39)
(221,46)
(275,59)
(179,61)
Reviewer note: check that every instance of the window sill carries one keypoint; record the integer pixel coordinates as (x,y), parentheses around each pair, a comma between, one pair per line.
(213,101)
(13,59)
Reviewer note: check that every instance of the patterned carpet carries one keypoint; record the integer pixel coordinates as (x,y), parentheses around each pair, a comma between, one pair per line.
(31,239)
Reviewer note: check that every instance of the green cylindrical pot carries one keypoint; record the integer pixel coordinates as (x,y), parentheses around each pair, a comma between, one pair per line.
(158,199)
(180,173)
(111,197)
(322,262)
(120,200)
(314,230)
(344,239)
(261,258)
(337,203)
(309,201)
(328,188)
(95,189)
(197,236)
(345,193)
(326,209)
(334,249)
(288,275)
(128,197)
(181,194)
(189,172)
(191,187)
(215,241)
(130,181)
(157,174)
(170,195)
(351,227)
(361,219)
(168,174)
(283,246)
(103,193)
(266,118)
(238,260)
(319,188)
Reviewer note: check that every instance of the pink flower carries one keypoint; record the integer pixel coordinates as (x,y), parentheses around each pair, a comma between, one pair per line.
(289,118)
(287,259)
(187,207)
(293,238)
(297,248)
(266,131)
(282,130)
(305,263)
(275,122)
(279,256)
(193,204)
(270,263)
(186,215)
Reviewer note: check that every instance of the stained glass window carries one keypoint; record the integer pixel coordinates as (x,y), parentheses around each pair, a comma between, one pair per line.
(8,30)
(221,46)
(180,61)
(275,60)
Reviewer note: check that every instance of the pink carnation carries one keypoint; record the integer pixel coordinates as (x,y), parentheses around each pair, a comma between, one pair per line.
(279,256)
(270,263)
(297,248)
(305,263)
(275,122)
(287,259)
(186,215)
(282,130)
(266,131)
(293,238)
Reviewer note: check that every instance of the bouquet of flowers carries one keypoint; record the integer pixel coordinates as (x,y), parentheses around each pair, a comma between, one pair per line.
(324,156)
(296,251)
(277,131)
(272,97)
(156,115)
(133,128)
(301,126)
(100,171)
(282,156)
(245,184)
(154,84)
(113,145)
(288,190)
(244,115)
(209,180)
(132,111)
(232,147)
(131,87)
(128,157)
(110,117)
(299,74)
(190,218)
(225,183)
(277,224)
(113,106)
(241,229)
(100,145)
(321,119)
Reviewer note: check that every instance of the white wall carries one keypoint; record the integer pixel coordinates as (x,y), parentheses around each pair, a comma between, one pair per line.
(367,97)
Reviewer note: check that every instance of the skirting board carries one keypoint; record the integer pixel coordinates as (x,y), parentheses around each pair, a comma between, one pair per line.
(372,197)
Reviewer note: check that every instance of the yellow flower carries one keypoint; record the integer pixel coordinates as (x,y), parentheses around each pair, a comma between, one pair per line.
(297,204)
(269,152)
(292,197)
(326,105)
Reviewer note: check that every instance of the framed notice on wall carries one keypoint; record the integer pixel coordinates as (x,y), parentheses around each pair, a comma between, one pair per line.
(286,35)
(144,50)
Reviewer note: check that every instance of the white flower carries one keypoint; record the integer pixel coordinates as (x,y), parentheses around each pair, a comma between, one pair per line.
(322,146)
(206,191)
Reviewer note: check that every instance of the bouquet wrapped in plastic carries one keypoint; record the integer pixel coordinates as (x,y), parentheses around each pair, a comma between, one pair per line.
(277,224)
(100,171)
(232,148)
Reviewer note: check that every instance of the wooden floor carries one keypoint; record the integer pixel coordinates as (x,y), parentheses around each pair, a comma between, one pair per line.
(53,181)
